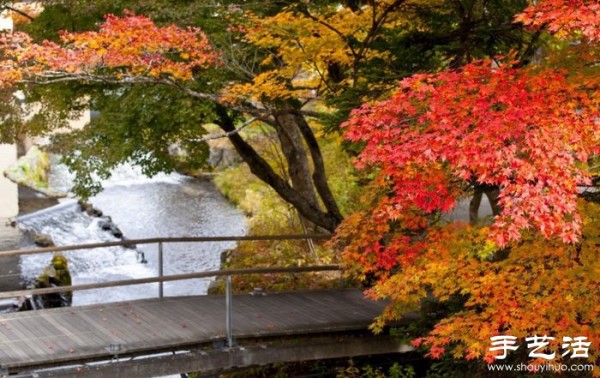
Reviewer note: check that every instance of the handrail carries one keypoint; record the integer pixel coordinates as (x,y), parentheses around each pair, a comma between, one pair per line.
(227,273)
(175,277)
(182,239)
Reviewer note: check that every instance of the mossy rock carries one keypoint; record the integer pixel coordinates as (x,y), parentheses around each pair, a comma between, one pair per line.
(60,262)
(43,240)
(32,170)
(55,274)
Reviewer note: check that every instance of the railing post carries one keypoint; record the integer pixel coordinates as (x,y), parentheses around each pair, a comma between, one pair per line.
(228,311)
(160,269)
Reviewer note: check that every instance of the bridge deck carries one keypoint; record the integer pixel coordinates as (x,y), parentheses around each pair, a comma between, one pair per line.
(55,336)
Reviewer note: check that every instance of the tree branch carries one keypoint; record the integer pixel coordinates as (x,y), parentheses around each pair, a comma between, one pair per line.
(227,134)
(20,12)
(262,114)
(333,29)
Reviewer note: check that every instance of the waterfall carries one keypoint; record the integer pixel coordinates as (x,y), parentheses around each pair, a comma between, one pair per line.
(165,205)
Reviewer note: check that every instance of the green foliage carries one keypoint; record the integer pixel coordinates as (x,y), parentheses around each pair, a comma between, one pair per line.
(11,114)
(398,371)
(435,36)
(139,124)
(67,17)
(52,107)
(457,32)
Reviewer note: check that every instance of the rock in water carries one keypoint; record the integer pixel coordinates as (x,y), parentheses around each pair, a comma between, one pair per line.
(43,240)
(108,225)
(31,170)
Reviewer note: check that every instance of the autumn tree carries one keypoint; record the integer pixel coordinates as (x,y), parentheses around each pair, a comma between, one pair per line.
(529,131)
(132,50)
(354,53)
(276,64)
(12,112)
(522,128)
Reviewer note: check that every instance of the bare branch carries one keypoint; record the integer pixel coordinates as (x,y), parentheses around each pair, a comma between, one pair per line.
(228,133)
(310,113)
(59,77)
(20,12)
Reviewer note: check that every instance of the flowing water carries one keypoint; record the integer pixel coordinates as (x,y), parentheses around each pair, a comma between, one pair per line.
(163,206)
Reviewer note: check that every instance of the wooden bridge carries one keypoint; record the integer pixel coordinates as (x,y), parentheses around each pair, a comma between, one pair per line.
(169,335)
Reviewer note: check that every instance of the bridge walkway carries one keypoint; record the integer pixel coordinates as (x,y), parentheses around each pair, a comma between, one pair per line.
(198,333)
(85,333)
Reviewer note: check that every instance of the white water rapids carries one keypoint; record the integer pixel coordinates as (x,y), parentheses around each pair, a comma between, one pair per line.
(165,205)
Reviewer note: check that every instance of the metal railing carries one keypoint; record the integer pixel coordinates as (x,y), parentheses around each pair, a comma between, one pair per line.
(161,278)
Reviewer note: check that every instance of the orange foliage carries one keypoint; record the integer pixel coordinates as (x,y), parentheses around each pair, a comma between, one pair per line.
(11,44)
(542,287)
(123,47)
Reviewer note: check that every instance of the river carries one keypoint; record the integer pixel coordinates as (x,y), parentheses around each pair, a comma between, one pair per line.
(165,205)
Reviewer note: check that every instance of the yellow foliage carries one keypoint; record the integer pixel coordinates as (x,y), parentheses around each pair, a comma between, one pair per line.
(305,45)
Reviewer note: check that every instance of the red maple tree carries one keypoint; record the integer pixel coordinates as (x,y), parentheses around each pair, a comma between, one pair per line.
(533,135)
(527,131)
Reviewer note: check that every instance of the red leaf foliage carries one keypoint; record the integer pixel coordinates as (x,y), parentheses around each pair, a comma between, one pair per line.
(565,17)
(529,132)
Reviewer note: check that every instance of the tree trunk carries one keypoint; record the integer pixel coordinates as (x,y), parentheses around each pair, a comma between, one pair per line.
(492,193)
(307,207)
(319,174)
(292,146)
(474,205)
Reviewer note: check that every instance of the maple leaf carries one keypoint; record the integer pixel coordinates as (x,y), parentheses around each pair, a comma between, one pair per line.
(564,18)
(492,126)
(528,132)
(128,46)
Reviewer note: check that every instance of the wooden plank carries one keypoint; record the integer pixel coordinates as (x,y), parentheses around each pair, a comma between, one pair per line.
(123,322)
(49,337)
(150,320)
(28,340)
(83,333)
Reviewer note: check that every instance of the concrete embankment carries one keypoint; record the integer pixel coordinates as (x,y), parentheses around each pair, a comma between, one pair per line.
(9,236)
(10,274)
